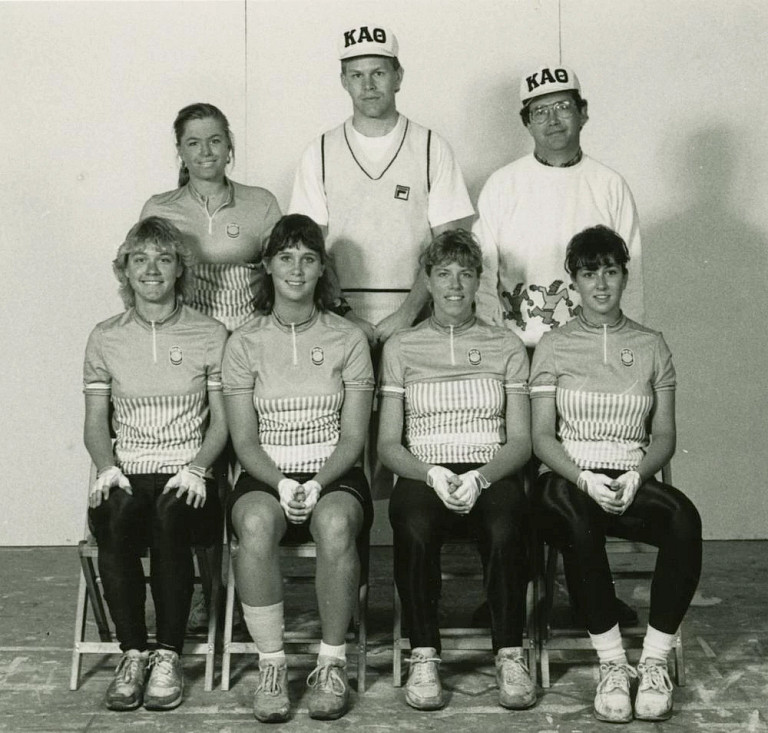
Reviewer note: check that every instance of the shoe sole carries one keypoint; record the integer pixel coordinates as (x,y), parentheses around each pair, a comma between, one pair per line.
(162,704)
(664,716)
(425,705)
(328,716)
(273,717)
(120,708)
(605,719)
(517,705)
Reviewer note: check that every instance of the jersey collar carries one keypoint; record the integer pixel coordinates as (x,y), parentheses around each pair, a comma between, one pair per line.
(568,164)
(617,325)
(195,194)
(461,328)
(169,320)
(295,327)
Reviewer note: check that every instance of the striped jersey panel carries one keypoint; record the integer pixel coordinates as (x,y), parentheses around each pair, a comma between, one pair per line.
(224,292)
(160,433)
(300,433)
(603,430)
(455,421)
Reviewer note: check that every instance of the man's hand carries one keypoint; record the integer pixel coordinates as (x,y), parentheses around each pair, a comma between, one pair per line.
(107,479)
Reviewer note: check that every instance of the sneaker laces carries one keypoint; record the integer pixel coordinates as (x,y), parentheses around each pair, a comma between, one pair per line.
(161,663)
(515,671)
(615,677)
(422,669)
(326,677)
(269,679)
(129,667)
(654,677)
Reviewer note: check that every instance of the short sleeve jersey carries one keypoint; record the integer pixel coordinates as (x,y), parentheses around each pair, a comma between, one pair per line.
(454,381)
(298,376)
(158,376)
(226,245)
(604,380)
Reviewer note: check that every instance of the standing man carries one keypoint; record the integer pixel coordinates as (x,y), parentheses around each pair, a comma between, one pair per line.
(381,186)
(530,209)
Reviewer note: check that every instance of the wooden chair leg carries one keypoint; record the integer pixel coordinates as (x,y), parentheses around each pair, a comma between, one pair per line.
(226,655)
(397,633)
(80,616)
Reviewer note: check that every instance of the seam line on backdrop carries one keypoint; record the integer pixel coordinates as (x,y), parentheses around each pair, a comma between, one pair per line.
(245,88)
(560,31)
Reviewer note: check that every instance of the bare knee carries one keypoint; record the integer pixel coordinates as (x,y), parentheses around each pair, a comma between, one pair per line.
(258,529)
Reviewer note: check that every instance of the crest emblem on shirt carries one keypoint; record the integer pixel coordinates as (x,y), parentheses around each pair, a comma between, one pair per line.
(627,357)
(317,356)
(233,230)
(474,356)
(402,192)
(175,355)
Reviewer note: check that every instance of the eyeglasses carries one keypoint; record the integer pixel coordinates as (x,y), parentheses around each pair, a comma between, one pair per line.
(563,111)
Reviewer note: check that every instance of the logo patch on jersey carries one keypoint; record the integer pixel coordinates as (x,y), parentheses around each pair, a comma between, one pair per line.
(627,357)
(402,192)
(474,357)
(233,230)
(317,356)
(175,355)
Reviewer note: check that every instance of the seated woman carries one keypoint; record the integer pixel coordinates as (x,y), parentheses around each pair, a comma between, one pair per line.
(159,364)
(224,223)
(298,387)
(458,387)
(603,401)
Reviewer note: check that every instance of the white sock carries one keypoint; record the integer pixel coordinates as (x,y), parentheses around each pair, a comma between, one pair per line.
(265,625)
(608,646)
(657,644)
(336,652)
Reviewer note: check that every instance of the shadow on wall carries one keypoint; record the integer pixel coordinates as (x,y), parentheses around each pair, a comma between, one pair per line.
(705,276)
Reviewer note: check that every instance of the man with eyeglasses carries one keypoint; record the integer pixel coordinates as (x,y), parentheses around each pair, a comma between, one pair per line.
(530,209)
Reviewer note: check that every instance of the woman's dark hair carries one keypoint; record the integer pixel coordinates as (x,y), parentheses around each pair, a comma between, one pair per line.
(597,246)
(163,233)
(525,112)
(293,230)
(199,111)
(454,245)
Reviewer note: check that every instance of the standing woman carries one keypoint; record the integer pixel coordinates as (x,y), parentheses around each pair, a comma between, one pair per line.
(159,364)
(603,397)
(298,386)
(455,387)
(224,223)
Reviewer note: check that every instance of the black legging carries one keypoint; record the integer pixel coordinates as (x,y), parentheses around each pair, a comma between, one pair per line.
(124,526)
(660,515)
(499,522)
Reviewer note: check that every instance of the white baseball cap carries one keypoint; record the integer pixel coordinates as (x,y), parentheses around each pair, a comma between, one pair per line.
(546,80)
(367,40)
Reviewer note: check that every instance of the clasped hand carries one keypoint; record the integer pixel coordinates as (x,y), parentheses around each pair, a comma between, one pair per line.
(458,492)
(298,500)
(613,496)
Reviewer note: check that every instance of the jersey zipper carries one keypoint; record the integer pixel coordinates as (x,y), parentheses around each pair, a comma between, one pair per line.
(453,353)
(154,342)
(605,343)
(295,353)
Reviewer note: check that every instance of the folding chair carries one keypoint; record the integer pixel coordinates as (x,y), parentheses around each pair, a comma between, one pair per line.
(297,642)
(90,595)
(552,637)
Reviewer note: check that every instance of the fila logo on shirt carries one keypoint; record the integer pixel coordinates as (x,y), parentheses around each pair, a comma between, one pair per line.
(175,355)
(546,76)
(402,192)
(379,35)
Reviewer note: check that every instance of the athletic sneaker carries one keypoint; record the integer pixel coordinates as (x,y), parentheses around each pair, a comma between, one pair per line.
(516,690)
(126,691)
(654,694)
(328,689)
(423,690)
(271,703)
(165,687)
(612,701)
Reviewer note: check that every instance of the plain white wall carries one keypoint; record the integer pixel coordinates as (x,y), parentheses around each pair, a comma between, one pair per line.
(91,89)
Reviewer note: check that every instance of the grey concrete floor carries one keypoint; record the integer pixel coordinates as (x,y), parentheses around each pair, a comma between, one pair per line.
(726,638)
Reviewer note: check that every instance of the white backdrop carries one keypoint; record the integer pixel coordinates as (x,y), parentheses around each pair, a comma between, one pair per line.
(676,105)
